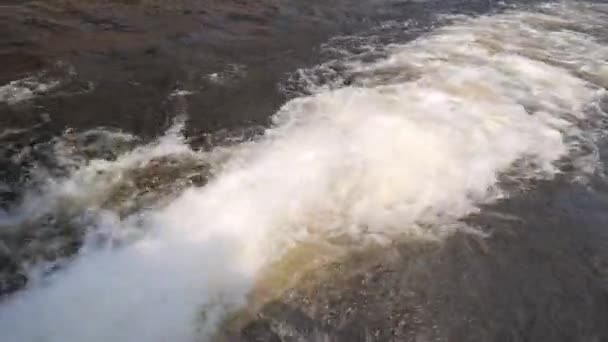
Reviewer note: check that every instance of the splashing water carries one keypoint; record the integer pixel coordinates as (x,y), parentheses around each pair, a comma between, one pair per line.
(419,140)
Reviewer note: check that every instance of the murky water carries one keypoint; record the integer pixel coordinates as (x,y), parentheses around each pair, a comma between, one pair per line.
(290,171)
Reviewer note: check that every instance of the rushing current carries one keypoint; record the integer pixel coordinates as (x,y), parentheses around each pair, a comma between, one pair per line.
(387,140)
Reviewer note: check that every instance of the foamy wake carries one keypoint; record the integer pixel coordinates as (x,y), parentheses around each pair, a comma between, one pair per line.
(24,89)
(418,141)
(44,83)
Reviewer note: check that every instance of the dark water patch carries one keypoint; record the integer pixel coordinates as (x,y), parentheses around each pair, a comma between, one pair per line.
(136,51)
(18,64)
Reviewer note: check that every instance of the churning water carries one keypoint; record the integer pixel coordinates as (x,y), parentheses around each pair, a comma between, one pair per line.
(388,140)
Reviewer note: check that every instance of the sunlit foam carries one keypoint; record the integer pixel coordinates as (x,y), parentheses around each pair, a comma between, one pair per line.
(385,157)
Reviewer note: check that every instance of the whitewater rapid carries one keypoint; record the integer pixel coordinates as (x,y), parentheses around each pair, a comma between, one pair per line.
(417,140)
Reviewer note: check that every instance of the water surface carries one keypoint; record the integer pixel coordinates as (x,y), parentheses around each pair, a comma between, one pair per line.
(361,170)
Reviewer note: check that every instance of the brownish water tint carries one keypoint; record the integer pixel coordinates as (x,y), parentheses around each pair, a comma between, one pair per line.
(541,275)
(134,53)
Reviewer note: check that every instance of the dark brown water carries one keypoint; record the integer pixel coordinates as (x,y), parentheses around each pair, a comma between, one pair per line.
(535,269)
(128,55)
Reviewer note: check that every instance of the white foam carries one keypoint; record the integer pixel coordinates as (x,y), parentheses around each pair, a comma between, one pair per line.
(44,83)
(232,72)
(380,158)
(25,89)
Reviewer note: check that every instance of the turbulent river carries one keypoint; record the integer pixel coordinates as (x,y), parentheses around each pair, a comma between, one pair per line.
(370,170)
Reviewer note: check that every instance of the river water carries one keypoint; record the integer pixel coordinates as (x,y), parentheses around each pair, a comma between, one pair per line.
(380,170)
